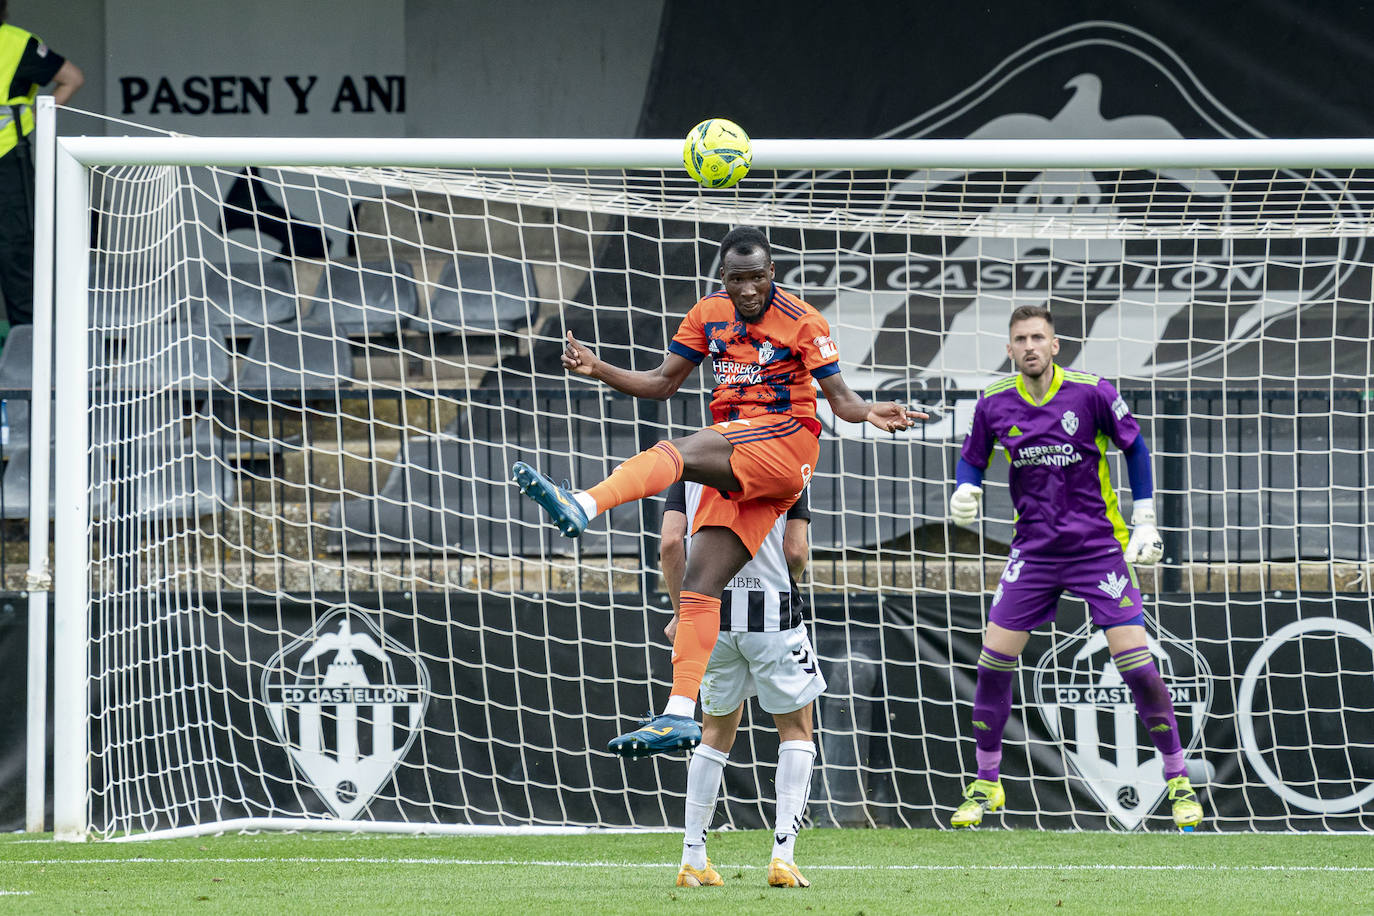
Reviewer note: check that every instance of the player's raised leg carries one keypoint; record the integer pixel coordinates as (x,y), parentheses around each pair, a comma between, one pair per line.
(703,456)
(651,471)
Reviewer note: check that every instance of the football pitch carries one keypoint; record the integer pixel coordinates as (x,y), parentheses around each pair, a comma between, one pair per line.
(852,871)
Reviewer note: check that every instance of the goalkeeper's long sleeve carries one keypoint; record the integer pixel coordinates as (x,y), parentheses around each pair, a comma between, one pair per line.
(967,473)
(1138,470)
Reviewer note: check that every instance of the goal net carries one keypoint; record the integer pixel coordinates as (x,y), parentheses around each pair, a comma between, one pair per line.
(291,389)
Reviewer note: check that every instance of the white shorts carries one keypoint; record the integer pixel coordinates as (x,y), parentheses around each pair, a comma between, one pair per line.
(780,668)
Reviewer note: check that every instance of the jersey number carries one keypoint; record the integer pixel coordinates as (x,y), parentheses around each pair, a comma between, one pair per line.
(1013,570)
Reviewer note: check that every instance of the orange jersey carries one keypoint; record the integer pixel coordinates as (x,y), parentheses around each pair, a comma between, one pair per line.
(761,368)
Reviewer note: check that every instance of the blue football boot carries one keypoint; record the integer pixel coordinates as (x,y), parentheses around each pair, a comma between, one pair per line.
(557,501)
(659,735)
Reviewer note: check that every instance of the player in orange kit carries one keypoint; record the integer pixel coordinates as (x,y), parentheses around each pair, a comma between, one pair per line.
(766,347)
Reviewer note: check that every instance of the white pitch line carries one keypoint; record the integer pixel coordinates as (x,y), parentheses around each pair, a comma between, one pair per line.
(545,863)
(15,893)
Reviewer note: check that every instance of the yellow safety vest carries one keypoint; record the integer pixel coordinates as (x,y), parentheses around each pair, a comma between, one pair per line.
(13,41)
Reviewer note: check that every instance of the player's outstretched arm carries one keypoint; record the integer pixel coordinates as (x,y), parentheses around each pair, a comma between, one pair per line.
(889,416)
(656,384)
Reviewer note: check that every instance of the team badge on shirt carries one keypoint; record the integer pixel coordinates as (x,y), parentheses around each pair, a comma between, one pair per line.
(1070,422)
(765,352)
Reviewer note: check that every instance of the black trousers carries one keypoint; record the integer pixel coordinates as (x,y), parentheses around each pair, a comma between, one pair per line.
(16,236)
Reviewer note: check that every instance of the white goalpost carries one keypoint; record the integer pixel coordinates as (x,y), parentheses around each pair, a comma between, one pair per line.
(294,588)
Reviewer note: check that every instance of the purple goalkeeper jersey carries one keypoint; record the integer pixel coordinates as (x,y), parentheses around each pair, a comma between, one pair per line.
(1060,485)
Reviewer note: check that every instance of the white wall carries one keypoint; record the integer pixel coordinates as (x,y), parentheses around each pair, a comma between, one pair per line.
(529,68)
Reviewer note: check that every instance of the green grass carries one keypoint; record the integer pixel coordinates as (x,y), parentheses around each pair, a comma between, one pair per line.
(852,871)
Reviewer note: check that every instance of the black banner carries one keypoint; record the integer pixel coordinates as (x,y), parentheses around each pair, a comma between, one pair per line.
(301,708)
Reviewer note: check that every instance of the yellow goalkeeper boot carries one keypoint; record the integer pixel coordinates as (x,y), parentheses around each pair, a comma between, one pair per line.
(785,874)
(687,876)
(981,795)
(1187,811)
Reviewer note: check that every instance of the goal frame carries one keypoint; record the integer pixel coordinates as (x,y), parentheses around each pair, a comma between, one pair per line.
(62,252)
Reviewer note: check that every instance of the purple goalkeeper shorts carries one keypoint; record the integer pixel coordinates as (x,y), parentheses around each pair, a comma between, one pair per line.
(1028,593)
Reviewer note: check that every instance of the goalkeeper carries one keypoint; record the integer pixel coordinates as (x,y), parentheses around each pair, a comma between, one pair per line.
(764,651)
(1055,425)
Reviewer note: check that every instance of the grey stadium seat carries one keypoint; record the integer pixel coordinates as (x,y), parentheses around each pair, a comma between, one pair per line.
(16,359)
(162,357)
(195,481)
(292,359)
(14,488)
(430,495)
(246,295)
(16,372)
(444,493)
(480,295)
(192,481)
(358,300)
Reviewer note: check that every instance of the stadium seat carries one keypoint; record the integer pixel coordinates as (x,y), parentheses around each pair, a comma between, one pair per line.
(14,488)
(434,499)
(16,372)
(187,479)
(286,360)
(245,295)
(453,493)
(193,480)
(17,420)
(16,359)
(359,300)
(165,356)
(480,295)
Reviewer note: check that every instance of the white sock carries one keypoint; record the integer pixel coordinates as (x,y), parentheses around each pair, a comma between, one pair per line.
(587,503)
(680,706)
(793,787)
(703,785)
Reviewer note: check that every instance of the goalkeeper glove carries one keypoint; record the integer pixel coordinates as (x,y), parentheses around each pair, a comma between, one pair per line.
(1145,547)
(965,505)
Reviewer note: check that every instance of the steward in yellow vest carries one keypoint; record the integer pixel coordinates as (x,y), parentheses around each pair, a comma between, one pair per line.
(26,63)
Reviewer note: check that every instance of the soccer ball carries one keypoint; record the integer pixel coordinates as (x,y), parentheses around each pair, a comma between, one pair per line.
(717,153)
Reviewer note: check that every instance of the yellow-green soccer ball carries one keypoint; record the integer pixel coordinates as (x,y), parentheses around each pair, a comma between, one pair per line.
(717,153)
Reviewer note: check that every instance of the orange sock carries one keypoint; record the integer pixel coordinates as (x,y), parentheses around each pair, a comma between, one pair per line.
(698,626)
(651,471)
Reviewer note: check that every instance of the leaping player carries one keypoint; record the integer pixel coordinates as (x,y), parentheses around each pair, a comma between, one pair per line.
(1055,425)
(766,346)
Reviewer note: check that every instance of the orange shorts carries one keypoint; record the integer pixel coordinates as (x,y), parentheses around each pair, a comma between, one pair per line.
(773,460)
